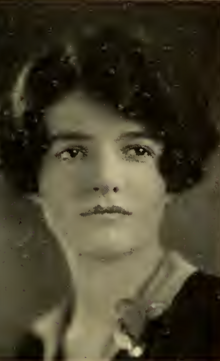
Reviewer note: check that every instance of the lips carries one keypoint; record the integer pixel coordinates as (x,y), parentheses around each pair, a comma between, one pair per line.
(102,210)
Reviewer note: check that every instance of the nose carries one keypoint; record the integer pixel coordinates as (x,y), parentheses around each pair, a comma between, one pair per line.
(105,188)
(104,173)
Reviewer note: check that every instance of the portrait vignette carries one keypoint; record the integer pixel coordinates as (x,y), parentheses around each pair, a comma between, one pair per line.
(35,223)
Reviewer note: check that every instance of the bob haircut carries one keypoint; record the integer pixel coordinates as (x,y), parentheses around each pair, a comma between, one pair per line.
(119,69)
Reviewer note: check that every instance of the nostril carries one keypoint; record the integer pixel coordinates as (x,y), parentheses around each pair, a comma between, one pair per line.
(95,189)
(115,189)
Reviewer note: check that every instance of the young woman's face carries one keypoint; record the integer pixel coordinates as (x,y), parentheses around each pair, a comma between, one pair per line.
(95,160)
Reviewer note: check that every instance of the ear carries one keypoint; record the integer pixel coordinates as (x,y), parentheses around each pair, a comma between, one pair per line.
(34,198)
(170,198)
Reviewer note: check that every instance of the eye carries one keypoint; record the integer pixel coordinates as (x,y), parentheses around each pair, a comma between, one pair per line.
(140,150)
(71,153)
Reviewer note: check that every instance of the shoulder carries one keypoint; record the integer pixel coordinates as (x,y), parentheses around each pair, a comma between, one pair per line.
(194,317)
(195,313)
(198,301)
(202,279)
(202,288)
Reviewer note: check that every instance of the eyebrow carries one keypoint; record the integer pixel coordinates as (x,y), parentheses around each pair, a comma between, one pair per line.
(83,136)
(133,134)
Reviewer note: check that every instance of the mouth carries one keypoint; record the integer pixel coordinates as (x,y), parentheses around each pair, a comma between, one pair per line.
(110,210)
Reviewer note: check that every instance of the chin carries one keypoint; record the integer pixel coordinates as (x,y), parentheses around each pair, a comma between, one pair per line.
(109,254)
(104,256)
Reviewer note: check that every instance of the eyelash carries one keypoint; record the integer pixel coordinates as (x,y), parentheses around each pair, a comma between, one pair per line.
(148,150)
(84,150)
(78,148)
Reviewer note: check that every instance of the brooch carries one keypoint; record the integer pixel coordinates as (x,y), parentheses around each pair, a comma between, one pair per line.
(126,342)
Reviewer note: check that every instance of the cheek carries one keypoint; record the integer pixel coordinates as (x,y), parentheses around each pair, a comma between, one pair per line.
(56,199)
(56,185)
(151,186)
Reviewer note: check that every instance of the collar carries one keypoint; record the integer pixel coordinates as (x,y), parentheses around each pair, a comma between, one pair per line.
(154,297)
(157,294)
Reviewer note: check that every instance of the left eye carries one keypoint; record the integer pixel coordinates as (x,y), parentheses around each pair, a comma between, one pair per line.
(71,153)
(139,150)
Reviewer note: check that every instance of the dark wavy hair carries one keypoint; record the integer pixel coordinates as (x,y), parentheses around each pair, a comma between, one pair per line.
(116,67)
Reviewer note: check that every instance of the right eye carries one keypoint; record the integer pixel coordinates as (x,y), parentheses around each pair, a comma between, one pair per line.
(71,153)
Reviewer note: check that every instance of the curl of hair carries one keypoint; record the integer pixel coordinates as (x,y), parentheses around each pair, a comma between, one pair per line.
(115,67)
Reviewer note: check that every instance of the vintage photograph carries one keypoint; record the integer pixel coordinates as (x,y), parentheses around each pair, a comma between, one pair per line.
(109,180)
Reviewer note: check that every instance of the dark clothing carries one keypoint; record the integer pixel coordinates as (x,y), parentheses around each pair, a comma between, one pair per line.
(188,330)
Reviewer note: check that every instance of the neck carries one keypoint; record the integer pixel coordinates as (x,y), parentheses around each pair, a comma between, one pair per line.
(98,285)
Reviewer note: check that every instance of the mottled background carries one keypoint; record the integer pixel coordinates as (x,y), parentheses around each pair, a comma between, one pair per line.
(33,274)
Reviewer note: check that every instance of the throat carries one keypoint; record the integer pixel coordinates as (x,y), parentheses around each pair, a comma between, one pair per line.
(100,287)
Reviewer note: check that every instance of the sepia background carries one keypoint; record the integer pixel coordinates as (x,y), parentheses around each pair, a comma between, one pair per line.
(33,273)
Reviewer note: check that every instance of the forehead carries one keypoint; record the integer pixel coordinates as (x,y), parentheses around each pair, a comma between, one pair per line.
(78,112)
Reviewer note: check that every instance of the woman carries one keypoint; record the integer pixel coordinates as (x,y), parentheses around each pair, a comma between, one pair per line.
(93,133)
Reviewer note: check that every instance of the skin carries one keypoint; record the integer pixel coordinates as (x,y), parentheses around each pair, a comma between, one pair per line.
(108,259)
